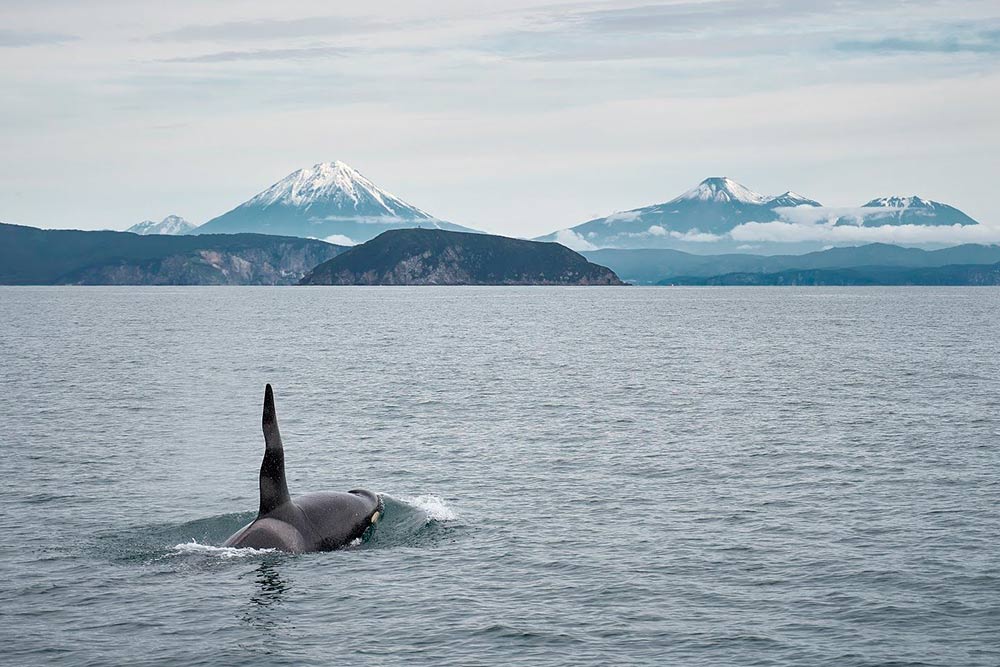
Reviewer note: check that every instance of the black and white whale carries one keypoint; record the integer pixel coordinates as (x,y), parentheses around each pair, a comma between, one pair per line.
(313,522)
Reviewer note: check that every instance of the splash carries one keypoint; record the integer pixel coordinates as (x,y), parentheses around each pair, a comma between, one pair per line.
(433,507)
(193,547)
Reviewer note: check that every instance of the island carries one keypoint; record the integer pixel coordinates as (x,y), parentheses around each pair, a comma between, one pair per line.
(439,257)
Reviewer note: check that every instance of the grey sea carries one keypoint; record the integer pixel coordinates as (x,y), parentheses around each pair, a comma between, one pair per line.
(573,476)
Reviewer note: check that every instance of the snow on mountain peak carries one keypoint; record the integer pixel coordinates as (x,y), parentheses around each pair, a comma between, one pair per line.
(900,202)
(792,199)
(335,183)
(172,225)
(722,189)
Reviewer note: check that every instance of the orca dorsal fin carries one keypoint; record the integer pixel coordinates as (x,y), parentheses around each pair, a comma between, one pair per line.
(273,488)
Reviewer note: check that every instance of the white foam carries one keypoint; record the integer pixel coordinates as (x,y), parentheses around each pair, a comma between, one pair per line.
(433,507)
(193,547)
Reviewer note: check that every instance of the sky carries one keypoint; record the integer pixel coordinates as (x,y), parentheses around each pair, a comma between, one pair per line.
(517,120)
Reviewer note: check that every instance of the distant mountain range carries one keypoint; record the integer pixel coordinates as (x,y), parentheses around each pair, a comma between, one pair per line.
(30,256)
(952,275)
(439,257)
(332,201)
(717,206)
(651,266)
(329,200)
(172,225)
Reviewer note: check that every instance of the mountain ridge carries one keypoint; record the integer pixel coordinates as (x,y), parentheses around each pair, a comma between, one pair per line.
(955,275)
(32,256)
(718,205)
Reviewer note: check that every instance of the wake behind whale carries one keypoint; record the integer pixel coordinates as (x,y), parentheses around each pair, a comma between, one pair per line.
(408,521)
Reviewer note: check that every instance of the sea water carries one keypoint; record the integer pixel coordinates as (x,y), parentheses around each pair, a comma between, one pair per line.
(573,476)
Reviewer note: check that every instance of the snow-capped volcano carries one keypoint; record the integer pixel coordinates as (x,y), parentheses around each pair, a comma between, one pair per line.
(913,210)
(702,219)
(172,225)
(714,207)
(329,200)
(335,183)
(721,190)
(724,190)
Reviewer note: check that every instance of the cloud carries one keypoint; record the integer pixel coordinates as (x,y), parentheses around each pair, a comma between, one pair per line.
(709,30)
(573,241)
(263,54)
(375,220)
(676,89)
(810,215)
(790,232)
(693,42)
(340,239)
(819,224)
(622,216)
(15,38)
(687,16)
(982,42)
(695,236)
(270,29)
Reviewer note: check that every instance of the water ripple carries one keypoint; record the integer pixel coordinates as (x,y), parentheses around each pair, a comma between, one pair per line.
(572,477)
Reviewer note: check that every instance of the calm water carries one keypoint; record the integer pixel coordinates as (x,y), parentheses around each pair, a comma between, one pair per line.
(574,476)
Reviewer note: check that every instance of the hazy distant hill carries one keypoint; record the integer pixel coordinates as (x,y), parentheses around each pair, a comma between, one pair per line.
(30,256)
(652,265)
(329,200)
(954,275)
(172,225)
(437,257)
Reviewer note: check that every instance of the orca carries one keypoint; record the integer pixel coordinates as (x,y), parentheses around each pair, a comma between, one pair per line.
(313,522)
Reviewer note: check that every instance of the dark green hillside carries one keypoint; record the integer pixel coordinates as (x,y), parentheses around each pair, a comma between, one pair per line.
(438,257)
(30,256)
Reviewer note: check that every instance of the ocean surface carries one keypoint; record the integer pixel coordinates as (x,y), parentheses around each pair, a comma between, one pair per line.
(573,476)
